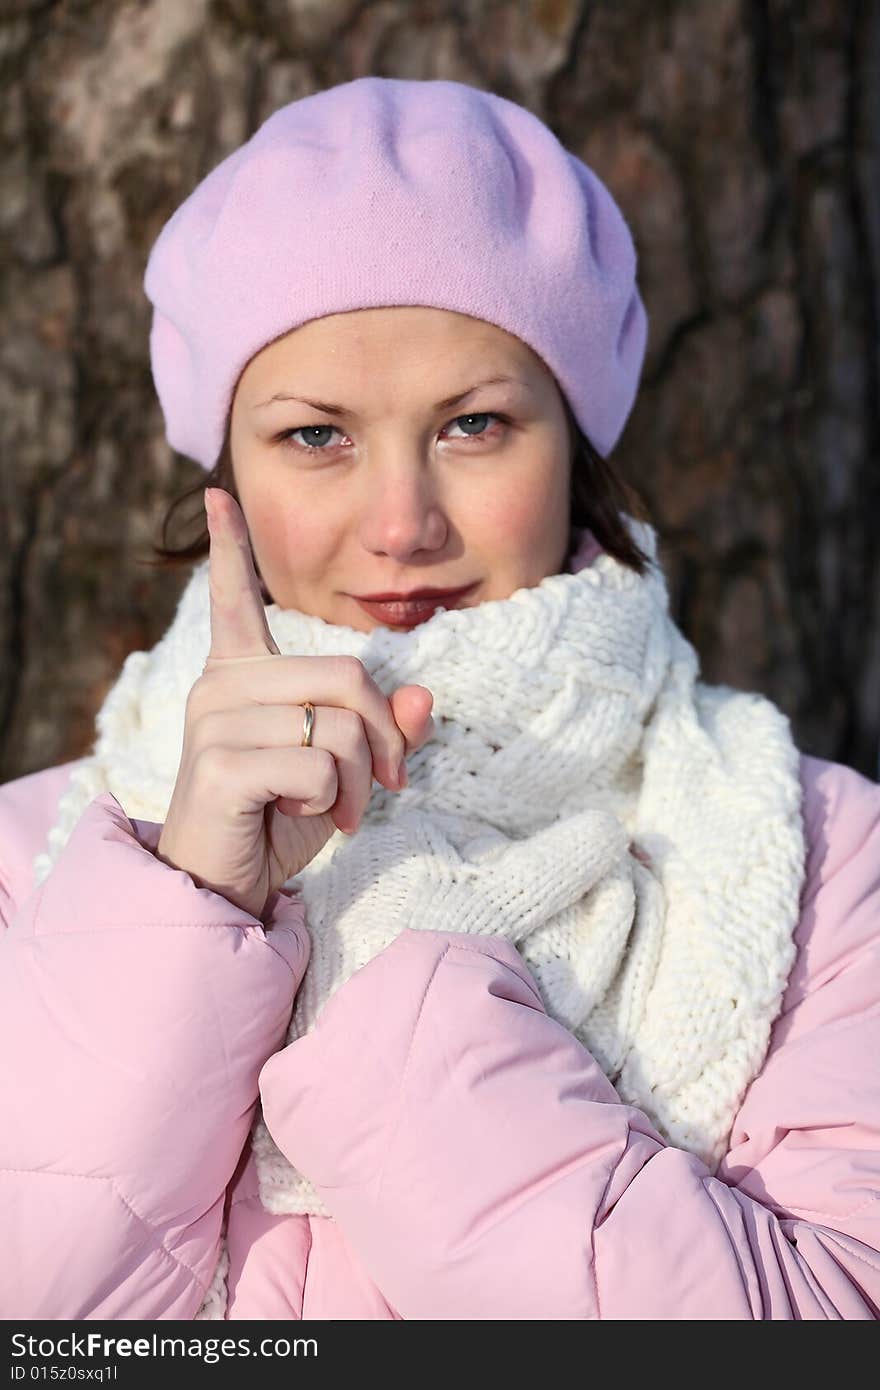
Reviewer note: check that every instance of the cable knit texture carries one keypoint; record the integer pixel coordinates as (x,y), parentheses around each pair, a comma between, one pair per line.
(636,833)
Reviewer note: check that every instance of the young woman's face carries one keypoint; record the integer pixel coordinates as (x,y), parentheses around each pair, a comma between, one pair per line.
(383,489)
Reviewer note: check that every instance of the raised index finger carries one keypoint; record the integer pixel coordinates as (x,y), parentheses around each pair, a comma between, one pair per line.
(238,618)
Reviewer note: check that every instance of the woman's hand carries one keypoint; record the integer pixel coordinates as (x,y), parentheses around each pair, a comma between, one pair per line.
(250,806)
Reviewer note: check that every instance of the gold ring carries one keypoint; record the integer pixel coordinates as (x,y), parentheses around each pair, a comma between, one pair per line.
(308,724)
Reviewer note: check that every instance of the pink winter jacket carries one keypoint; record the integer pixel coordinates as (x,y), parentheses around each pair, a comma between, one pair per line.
(476,1161)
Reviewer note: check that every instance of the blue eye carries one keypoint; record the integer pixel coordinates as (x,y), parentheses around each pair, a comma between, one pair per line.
(316,438)
(309,432)
(469,419)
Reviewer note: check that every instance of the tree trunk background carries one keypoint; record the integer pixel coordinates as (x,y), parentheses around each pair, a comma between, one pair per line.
(740,138)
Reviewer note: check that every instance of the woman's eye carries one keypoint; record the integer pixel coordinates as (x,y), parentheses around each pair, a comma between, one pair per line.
(316,438)
(474,425)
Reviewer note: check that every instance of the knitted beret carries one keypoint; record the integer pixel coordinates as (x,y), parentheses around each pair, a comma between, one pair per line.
(387,191)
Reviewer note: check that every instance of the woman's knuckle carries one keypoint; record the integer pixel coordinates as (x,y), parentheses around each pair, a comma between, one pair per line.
(197,699)
(206,728)
(324,779)
(351,730)
(213,766)
(353,672)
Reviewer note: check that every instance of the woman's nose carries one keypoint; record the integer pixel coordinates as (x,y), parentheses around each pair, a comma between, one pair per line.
(401,512)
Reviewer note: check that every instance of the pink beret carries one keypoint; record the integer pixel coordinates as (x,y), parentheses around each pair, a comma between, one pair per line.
(385,191)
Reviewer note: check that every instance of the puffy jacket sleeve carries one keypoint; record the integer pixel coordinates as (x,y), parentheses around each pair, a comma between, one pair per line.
(484,1167)
(136,1011)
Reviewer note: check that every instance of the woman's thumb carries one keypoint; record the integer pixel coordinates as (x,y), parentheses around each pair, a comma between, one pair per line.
(411,707)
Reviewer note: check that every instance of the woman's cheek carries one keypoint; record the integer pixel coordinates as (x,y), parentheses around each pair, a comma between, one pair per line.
(529,509)
(282,535)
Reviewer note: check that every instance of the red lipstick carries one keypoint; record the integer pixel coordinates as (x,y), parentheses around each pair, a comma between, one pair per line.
(410,608)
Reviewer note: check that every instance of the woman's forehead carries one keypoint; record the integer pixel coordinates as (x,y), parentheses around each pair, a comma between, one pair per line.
(406,348)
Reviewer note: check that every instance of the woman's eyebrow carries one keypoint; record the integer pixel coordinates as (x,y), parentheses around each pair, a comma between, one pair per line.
(330,409)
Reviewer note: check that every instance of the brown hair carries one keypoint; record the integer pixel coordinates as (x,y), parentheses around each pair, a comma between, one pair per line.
(598,497)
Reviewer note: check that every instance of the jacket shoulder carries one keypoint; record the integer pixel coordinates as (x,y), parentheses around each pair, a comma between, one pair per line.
(837,799)
(28,807)
(840,901)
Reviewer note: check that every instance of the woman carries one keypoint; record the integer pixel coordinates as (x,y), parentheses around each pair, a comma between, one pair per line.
(574,1013)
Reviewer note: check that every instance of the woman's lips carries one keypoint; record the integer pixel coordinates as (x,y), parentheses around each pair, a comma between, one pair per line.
(411,612)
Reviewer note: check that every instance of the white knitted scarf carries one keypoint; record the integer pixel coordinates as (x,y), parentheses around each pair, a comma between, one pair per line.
(635,833)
